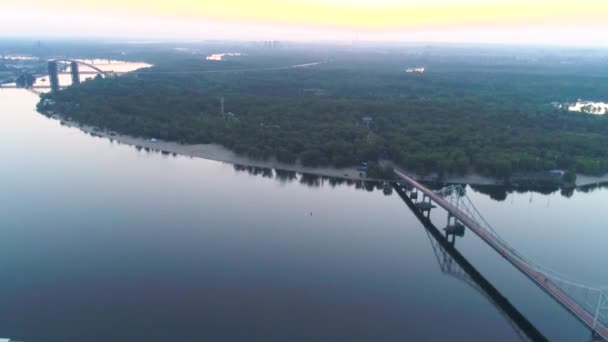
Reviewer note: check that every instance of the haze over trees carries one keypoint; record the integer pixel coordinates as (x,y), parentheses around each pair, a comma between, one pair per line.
(488,112)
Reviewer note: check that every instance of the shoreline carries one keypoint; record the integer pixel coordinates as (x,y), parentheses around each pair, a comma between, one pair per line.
(216,152)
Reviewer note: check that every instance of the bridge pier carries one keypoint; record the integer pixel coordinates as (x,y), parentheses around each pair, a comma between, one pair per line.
(453,229)
(425,205)
(53,76)
(74,72)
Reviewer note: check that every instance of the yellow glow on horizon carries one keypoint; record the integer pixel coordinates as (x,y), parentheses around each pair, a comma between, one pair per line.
(364,14)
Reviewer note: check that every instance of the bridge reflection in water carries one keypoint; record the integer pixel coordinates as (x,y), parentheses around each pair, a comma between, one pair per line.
(454,264)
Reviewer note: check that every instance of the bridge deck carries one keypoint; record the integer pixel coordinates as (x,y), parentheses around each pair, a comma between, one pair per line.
(543,282)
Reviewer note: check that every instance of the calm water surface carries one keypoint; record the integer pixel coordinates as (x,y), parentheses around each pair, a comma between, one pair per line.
(103,242)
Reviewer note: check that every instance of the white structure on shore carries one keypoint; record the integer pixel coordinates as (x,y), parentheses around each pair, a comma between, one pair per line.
(419,70)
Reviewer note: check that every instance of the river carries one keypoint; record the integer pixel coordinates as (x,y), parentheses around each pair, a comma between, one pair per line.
(106,242)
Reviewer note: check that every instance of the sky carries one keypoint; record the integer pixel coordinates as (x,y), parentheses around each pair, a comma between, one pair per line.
(554,22)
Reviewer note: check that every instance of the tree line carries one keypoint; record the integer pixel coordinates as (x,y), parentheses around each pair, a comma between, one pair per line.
(495,122)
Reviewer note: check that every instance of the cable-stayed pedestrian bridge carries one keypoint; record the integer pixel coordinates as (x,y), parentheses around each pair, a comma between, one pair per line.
(586,302)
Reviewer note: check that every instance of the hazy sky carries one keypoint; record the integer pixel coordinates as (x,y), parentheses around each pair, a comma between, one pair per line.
(579,22)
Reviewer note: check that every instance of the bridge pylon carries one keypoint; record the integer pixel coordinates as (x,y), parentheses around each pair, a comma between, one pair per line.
(74,71)
(53,76)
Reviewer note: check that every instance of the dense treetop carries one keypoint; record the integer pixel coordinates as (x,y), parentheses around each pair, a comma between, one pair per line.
(487,113)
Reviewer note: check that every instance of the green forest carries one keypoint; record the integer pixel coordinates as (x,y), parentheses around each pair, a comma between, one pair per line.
(464,114)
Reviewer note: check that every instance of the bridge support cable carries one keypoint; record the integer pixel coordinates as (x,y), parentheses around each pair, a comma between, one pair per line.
(602,309)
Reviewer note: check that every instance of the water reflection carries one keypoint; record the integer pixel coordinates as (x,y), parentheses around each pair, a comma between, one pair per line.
(497,193)
(314,181)
(453,263)
(501,193)
(592,187)
(285,176)
(194,238)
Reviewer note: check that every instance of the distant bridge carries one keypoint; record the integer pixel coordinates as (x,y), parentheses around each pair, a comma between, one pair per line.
(589,304)
(90,72)
(12,86)
(79,62)
(53,72)
(74,71)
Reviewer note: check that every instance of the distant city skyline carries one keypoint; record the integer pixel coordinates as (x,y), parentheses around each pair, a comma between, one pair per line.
(555,22)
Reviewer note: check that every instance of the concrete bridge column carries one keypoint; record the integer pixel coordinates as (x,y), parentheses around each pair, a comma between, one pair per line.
(453,229)
(53,76)
(75,73)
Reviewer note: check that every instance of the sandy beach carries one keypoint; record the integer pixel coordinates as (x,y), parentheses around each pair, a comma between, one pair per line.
(220,153)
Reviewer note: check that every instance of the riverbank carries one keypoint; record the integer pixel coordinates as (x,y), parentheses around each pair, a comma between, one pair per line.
(213,152)
(222,154)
